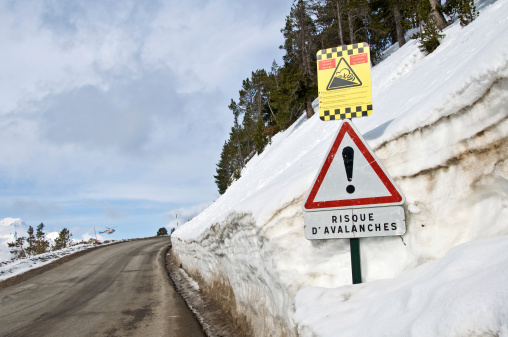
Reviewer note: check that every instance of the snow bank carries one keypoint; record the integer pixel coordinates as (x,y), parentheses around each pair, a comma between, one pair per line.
(440,128)
(462,294)
(11,268)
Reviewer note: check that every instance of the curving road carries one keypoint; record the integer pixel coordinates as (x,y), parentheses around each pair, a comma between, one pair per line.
(117,290)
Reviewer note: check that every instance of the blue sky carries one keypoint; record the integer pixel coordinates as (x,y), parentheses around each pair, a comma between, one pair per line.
(114,113)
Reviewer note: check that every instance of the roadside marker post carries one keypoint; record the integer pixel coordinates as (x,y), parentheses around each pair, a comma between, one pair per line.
(352,195)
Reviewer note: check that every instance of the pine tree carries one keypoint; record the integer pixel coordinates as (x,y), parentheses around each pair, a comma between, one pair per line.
(330,23)
(224,176)
(273,84)
(248,136)
(41,243)
(358,19)
(390,19)
(466,11)
(260,137)
(236,145)
(300,36)
(290,98)
(162,231)
(30,250)
(429,33)
(377,22)
(17,248)
(63,240)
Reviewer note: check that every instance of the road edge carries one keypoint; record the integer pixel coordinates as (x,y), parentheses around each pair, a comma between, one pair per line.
(212,317)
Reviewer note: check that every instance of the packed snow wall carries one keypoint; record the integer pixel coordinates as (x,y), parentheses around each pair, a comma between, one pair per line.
(440,130)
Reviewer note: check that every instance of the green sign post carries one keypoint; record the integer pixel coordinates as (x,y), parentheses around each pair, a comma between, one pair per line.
(356,268)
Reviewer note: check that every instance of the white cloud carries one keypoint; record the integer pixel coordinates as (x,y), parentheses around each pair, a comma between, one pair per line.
(122,100)
(209,45)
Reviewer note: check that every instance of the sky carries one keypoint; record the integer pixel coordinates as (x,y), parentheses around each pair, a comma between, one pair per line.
(114,113)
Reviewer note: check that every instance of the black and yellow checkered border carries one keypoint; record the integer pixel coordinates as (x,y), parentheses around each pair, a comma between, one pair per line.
(352,112)
(351,49)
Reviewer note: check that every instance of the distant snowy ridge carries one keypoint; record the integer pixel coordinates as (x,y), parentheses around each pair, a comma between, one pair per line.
(440,128)
(9,228)
(13,223)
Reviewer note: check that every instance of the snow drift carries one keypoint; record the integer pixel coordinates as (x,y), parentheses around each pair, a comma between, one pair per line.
(440,127)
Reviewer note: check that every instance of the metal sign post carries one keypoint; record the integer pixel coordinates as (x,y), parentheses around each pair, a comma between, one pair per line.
(356,266)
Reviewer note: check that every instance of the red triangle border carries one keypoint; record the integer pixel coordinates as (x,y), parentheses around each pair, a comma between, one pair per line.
(394,198)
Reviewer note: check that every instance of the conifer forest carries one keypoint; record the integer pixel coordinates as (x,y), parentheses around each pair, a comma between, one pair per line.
(269,101)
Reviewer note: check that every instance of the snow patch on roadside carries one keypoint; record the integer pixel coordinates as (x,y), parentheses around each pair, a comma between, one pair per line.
(189,279)
(10,269)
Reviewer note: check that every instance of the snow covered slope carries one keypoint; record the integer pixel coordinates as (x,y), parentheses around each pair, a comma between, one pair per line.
(440,128)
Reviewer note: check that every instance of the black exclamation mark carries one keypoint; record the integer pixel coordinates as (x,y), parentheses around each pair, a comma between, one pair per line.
(348,155)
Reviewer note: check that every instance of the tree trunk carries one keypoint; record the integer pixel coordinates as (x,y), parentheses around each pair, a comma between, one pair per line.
(351,28)
(259,104)
(440,20)
(398,25)
(339,21)
(304,54)
(308,108)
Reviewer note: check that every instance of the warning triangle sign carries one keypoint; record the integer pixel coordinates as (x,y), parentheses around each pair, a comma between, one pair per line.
(351,176)
(343,77)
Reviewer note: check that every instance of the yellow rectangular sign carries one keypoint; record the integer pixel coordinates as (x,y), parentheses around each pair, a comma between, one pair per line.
(344,82)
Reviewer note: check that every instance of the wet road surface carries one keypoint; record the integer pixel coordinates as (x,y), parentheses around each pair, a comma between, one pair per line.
(117,290)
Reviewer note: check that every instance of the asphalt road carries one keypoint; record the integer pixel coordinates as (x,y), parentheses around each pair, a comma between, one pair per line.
(117,290)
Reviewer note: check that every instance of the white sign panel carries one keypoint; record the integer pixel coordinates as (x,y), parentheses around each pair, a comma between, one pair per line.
(351,176)
(355,223)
